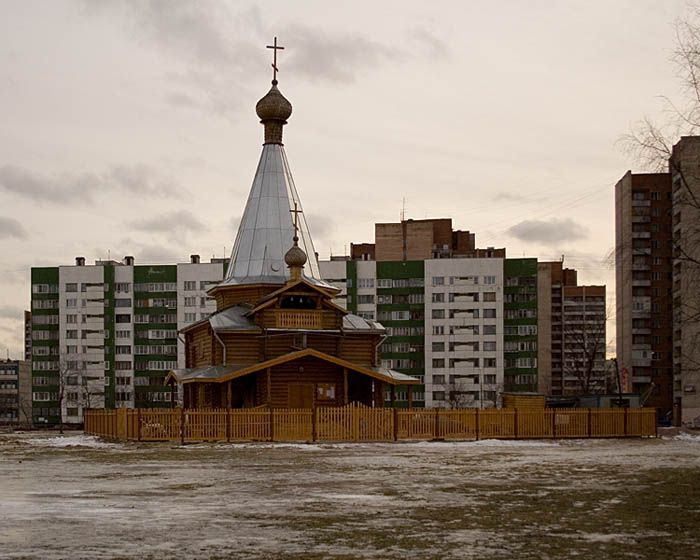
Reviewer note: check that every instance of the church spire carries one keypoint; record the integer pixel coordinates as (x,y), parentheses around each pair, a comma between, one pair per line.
(267,227)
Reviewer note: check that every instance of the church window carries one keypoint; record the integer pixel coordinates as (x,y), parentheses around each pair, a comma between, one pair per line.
(325,391)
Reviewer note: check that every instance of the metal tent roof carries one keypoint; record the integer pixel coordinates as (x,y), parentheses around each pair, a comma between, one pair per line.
(267,227)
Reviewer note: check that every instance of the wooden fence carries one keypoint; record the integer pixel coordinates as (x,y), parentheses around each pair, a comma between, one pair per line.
(359,423)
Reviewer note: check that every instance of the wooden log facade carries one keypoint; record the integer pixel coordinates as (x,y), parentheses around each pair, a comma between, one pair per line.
(316,360)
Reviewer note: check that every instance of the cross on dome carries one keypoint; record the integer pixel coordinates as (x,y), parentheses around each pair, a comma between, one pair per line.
(274,60)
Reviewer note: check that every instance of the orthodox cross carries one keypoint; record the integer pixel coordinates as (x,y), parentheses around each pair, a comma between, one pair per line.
(274,60)
(296,213)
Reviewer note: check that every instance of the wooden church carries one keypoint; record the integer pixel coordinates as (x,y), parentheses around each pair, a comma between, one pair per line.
(277,339)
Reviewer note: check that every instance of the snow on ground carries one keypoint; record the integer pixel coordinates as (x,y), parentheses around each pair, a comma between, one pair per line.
(80,440)
(75,496)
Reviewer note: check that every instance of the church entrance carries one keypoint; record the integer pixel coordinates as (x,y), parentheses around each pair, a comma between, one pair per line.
(301,395)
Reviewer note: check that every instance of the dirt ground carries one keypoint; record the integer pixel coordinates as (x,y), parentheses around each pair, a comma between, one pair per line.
(76,496)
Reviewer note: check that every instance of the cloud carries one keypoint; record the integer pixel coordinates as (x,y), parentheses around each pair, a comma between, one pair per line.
(68,188)
(324,55)
(320,225)
(156,254)
(141,179)
(10,227)
(548,232)
(11,312)
(433,46)
(62,189)
(166,223)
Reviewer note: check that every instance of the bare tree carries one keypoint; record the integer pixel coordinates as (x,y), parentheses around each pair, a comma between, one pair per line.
(652,144)
(585,345)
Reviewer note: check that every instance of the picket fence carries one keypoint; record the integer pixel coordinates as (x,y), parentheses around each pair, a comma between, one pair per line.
(359,423)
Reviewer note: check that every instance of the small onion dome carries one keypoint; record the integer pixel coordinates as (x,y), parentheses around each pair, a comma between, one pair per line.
(274,106)
(295,257)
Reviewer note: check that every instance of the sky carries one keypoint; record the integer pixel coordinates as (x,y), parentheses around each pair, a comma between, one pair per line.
(129,128)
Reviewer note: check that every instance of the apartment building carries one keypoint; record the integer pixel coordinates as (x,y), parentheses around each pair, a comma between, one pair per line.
(657,223)
(105,336)
(571,332)
(15,392)
(684,167)
(644,286)
(444,321)
(28,336)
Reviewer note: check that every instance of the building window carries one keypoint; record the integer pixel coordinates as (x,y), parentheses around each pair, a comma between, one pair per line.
(438,297)
(72,287)
(365,299)
(438,313)
(438,346)
(438,329)
(190,285)
(489,279)
(438,362)
(438,280)
(123,318)
(438,378)
(489,313)
(438,395)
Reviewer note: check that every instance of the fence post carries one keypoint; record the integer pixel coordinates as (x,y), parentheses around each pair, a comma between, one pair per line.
(314,418)
(590,423)
(395,416)
(138,424)
(356,423)
(182,426)
(272,425)
(228,424)
(476,423)
(625,420)
(554,422)
(515,423)
(436,429)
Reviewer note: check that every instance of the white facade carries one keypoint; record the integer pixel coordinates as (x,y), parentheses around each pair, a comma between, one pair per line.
(81,339)
(463,334)
(80,357)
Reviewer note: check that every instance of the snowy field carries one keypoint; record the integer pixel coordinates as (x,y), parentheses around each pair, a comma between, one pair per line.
(76,496)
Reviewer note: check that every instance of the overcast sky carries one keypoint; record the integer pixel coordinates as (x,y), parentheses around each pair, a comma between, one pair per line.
(129,128)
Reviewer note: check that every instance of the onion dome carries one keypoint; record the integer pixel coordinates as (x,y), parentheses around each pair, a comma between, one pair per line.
(273,110)
(295,259)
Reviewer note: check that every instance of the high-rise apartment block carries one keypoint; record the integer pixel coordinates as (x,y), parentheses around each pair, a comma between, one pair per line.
(684,167)
(643,277)
(657,219)
(105,336)
(466,321)
(572,332)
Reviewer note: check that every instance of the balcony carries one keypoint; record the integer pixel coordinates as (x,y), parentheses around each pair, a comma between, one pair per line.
(298,319)
(641,235)
(641,219)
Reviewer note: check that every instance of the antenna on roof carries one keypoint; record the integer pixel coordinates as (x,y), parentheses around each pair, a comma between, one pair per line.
(403,209)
